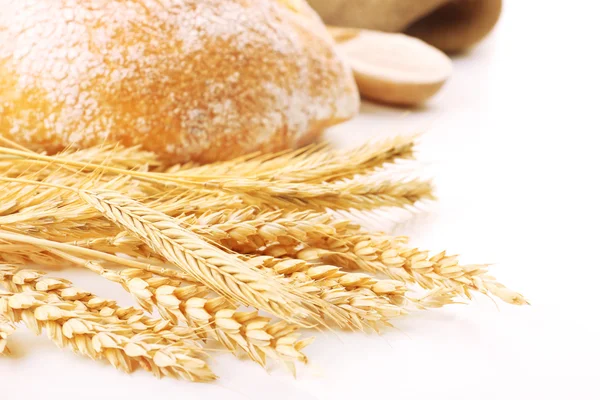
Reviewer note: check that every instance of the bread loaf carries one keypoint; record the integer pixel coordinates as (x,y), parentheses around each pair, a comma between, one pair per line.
(201,80)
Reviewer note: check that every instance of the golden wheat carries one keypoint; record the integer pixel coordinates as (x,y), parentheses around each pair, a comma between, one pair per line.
(401,262)
(24,280)
(261,231)
(213,316)
(6,329)
(70,324)
(316,163)
(364,192)
(219,270)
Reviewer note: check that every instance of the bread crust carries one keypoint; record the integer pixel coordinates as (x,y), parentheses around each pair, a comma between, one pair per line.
(201,80)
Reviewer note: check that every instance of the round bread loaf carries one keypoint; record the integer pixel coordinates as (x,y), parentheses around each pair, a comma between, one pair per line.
(201,80)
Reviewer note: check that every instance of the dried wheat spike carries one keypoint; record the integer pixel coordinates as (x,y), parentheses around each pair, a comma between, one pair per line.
(213,317)
(255,335)
(217,269)
(80,330)
(401,262)
(23,280)
(96,335)
(316,163)
(330,275)
(363,301)
(379,300)
(249,230)
(364,192)
(246,230)
(361,193)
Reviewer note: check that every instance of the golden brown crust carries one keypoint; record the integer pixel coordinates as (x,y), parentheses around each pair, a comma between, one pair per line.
(204,80)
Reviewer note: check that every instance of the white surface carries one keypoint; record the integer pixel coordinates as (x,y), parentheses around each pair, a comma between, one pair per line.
(511,142)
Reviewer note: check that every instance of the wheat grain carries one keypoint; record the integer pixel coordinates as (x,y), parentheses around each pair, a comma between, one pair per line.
(379,299)
(6,329)
(96,335)
(363,300)
(236,330)
(245,230)
(23,280)
(401,262)
(362,193)
(217,269)
(316,163)
(212,317)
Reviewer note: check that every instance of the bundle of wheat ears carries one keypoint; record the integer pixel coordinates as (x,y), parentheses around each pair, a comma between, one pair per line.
(246,254)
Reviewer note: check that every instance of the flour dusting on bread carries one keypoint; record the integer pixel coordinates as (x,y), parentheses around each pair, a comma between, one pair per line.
(188,79)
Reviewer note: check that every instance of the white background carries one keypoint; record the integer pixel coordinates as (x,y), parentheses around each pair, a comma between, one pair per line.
(511,142)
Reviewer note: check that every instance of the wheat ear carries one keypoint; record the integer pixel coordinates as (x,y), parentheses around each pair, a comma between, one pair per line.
(23,280)
(357,300)
(399,261)
(217,269)
(363,301)
(70,324)
(361,193)
(247,331)
(255,335)
(316,163)
(80,330)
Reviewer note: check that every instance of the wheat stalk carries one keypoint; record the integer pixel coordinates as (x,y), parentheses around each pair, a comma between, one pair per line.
(217,269)
(363,300)
(70,324)
(216,317)
(401,262)
(316,163)
(361,193)
(245,231)
(255,335)
(24,280)
(43,246)
(379,300)
(260,231)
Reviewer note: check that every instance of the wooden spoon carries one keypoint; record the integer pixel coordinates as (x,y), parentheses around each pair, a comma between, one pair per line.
(392,67)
